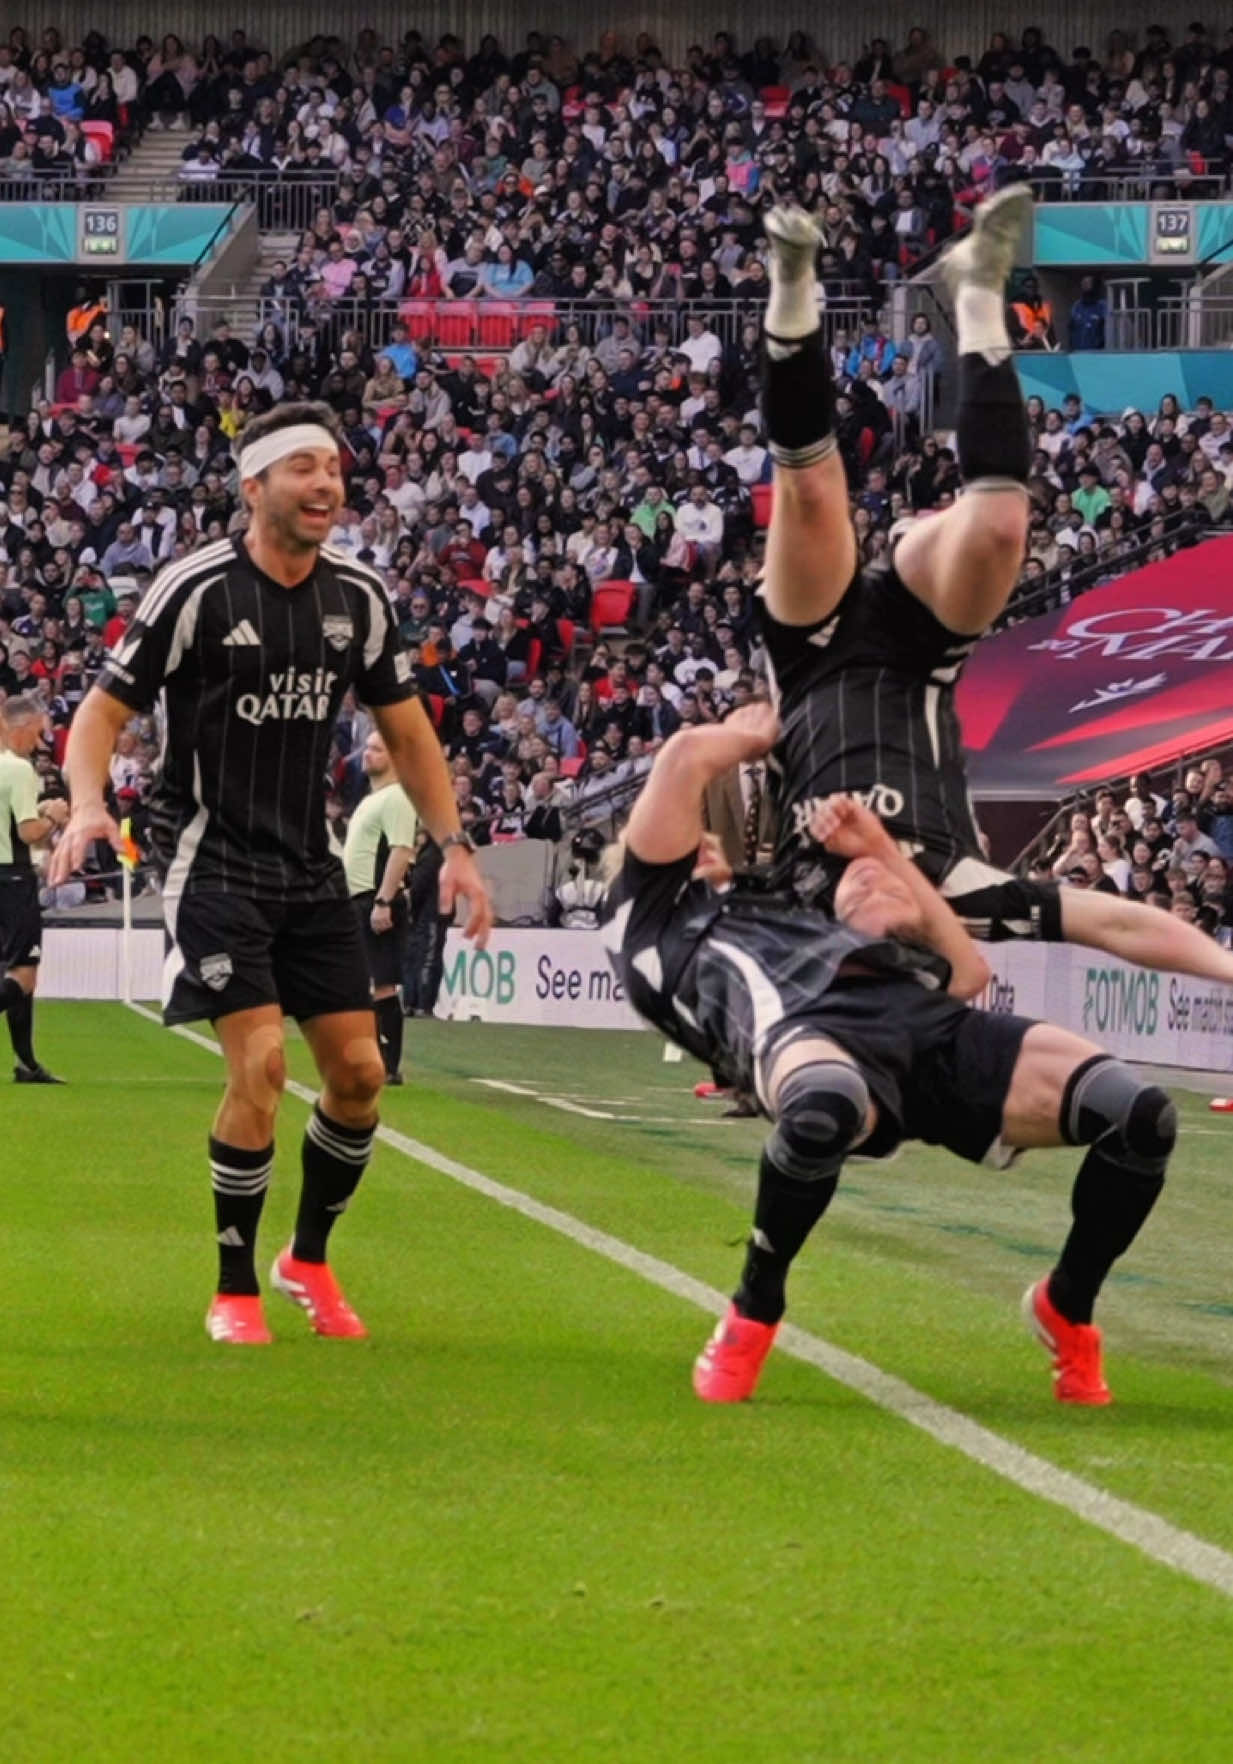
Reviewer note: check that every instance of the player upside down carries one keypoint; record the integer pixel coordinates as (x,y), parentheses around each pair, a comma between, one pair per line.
(853,1032)
(865,662)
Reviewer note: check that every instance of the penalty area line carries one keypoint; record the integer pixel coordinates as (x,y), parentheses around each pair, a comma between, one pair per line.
(1155,1537)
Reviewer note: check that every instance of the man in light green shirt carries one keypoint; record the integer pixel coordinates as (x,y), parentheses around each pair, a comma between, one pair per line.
(24,822)
(1091,498)
(379,846)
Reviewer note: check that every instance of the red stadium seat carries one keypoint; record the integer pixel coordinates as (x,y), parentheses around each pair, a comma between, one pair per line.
(498,322)
(536,312)
(570,768)
(567,628)
(535,655)
(763,499)
(476,585)
(103,134)
(611,605)
(417,315)
(777,100)
(454,323)
(436,708)
(902,97)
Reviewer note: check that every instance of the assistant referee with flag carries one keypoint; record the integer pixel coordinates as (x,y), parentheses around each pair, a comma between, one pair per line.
(377,855)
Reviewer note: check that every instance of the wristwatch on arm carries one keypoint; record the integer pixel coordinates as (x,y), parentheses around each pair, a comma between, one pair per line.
(461,839)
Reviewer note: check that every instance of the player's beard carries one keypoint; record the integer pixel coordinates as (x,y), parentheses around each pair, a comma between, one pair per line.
(288,528)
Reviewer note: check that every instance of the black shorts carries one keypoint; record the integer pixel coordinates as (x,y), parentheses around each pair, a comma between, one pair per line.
(21,922)
(382,950)
(937,1070)
(230,953)
(997,907)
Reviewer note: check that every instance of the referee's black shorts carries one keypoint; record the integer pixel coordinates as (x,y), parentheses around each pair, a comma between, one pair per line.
(383,950)
(21,922)
(228,953)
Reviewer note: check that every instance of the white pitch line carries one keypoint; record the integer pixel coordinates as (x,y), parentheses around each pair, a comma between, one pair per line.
(552,1102)
(1137,1526)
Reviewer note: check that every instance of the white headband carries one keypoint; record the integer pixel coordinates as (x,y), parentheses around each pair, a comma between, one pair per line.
(297,438)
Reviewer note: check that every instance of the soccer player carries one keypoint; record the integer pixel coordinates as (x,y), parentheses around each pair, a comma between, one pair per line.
(25,821)
(249,645)
(855,1034)
(379,847)
(865,662)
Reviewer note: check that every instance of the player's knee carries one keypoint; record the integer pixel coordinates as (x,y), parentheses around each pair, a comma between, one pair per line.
(258,1079)
(821,1112)
(357,1076)
(1105,1098)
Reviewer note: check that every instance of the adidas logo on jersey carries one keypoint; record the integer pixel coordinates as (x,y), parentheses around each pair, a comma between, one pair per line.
(242,636)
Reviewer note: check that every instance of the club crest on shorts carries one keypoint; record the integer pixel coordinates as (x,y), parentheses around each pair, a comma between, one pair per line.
(337,630)
(215,971)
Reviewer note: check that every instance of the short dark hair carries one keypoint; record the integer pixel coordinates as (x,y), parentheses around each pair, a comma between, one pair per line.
(22,707)
(285,416)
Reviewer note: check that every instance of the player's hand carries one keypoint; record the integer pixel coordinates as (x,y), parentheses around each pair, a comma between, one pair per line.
(85,825)
(381,919)
(461,880)
(759,724)
(847,828)
(712,866)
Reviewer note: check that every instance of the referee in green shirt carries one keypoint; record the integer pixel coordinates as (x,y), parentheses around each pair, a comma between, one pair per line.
(24,821)
(377,854)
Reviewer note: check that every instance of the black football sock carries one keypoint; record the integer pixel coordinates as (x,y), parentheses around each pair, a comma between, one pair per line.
(991,424)
(10,994)
(239,1179)
(389,1031)
(1130,1129)
(334,1158)
(786,1211)
(1110,1203)
(798,399)
(21,1029)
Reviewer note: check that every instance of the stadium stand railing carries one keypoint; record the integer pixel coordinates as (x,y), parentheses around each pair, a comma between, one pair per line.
(1067,581)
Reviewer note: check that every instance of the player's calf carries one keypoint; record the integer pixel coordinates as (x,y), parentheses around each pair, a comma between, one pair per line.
(1130,1129)
(821,1111)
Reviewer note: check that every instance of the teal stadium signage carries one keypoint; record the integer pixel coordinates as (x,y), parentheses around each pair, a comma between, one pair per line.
(108,234)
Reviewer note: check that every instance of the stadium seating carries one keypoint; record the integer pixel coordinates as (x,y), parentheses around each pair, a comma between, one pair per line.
(610,607)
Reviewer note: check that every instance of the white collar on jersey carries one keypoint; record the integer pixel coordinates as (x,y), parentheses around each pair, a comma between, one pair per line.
(296,438)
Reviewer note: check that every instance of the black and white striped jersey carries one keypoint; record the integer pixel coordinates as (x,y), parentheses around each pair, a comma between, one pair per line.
(867,703)
(725,974)
(251,676)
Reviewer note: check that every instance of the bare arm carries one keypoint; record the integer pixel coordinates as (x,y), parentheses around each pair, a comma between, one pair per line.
(53,813)
(92,741)
(1143,934)
(420,767)
(396,866)
(666,823)
(850,830)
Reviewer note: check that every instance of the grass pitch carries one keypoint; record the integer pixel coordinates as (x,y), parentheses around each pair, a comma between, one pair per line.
(503,1528)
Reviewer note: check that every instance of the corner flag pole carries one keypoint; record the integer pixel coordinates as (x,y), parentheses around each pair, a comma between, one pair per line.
(128,862)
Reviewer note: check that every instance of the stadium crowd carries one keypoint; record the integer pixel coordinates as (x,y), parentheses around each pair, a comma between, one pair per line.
(1174,851)
(905,132)
(610,469)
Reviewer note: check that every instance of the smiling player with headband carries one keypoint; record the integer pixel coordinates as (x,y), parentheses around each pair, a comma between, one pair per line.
(251,644)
